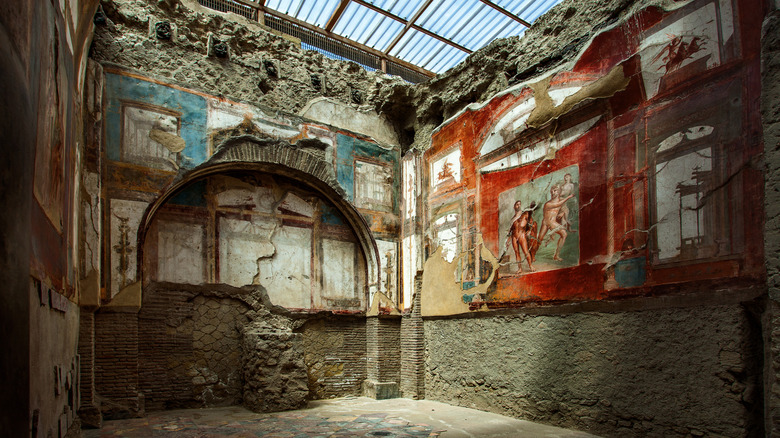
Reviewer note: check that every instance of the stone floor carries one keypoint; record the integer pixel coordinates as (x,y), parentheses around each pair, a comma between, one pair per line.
(345,417)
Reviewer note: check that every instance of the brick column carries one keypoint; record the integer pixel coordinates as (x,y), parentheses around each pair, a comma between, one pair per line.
(413,349)
(116,364)
(383,353)
(89,411)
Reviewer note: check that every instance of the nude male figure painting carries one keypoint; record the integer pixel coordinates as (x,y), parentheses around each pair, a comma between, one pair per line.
(522,236)
(551,222)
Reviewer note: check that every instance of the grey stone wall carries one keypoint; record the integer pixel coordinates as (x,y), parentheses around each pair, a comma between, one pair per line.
(665,372)
(273,368)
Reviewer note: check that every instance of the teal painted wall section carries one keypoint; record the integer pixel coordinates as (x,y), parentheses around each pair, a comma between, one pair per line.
(348,148)
(192,107)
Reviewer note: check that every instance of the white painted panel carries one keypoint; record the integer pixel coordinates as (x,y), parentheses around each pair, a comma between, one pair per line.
(446,170)
(139,128)
(409,267)
(125,219)
(373,186)
(242,244)
(338,271)
(180,256)
(679,218)
(692,38)
(287,275)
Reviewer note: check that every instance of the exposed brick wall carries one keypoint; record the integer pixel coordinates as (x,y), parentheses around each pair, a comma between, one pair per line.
(116,364)
(413,352)
(165,345)
(86,350)
(383,346)
(183,349)
(335,356)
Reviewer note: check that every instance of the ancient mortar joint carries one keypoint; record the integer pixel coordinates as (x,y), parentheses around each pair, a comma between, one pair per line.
(100,17)
(357,97)
(275,377)
(264,85)
(219,48)
(270,68)
(163,30)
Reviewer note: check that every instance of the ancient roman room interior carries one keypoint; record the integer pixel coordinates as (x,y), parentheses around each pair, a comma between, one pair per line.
(578,227)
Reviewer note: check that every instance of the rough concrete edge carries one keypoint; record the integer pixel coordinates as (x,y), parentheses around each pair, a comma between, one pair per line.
(706,296)
(126,300)
(368,112)
(196,7)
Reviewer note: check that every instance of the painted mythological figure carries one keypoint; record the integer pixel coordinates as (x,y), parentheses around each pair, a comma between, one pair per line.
(553,220)
(522,236)
(567,189)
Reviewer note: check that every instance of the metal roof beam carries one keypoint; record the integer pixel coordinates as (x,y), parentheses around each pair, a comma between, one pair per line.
(412,25)
(408,25)
(349,42)
(336,15)
(507,13)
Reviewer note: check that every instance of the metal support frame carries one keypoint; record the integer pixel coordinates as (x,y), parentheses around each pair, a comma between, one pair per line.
(383,55)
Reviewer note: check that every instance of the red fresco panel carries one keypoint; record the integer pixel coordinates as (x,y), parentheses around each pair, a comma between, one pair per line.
(679,88)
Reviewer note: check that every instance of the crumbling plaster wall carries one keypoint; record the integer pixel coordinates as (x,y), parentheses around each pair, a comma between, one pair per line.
(554,39)
(571,368)
(125,40)
(414,110)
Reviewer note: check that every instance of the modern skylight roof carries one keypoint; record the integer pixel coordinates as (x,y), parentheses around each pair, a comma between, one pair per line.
(431,35)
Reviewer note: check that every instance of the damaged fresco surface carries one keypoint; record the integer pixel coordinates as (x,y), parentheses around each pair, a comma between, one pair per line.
(262,230)
(241,230)
(626,171)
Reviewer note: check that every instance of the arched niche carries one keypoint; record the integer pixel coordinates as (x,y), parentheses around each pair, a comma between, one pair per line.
(302,164)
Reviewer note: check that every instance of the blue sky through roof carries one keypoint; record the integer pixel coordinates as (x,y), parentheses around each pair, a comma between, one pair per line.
(470,23)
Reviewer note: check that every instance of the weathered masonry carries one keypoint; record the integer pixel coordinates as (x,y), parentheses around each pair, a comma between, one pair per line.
(578,227)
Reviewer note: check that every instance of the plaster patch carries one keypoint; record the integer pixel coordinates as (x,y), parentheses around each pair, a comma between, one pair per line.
(546,111)
(441,295)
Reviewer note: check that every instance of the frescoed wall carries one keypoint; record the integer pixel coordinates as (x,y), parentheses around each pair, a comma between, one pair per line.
(627,171)
(245,228)
(156,132)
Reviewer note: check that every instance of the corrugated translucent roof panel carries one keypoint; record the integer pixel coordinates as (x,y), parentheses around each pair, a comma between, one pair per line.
(401,8)
(470,24)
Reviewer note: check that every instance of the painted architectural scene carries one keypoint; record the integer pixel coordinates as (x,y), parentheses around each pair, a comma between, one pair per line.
(243,234)
(263,230)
